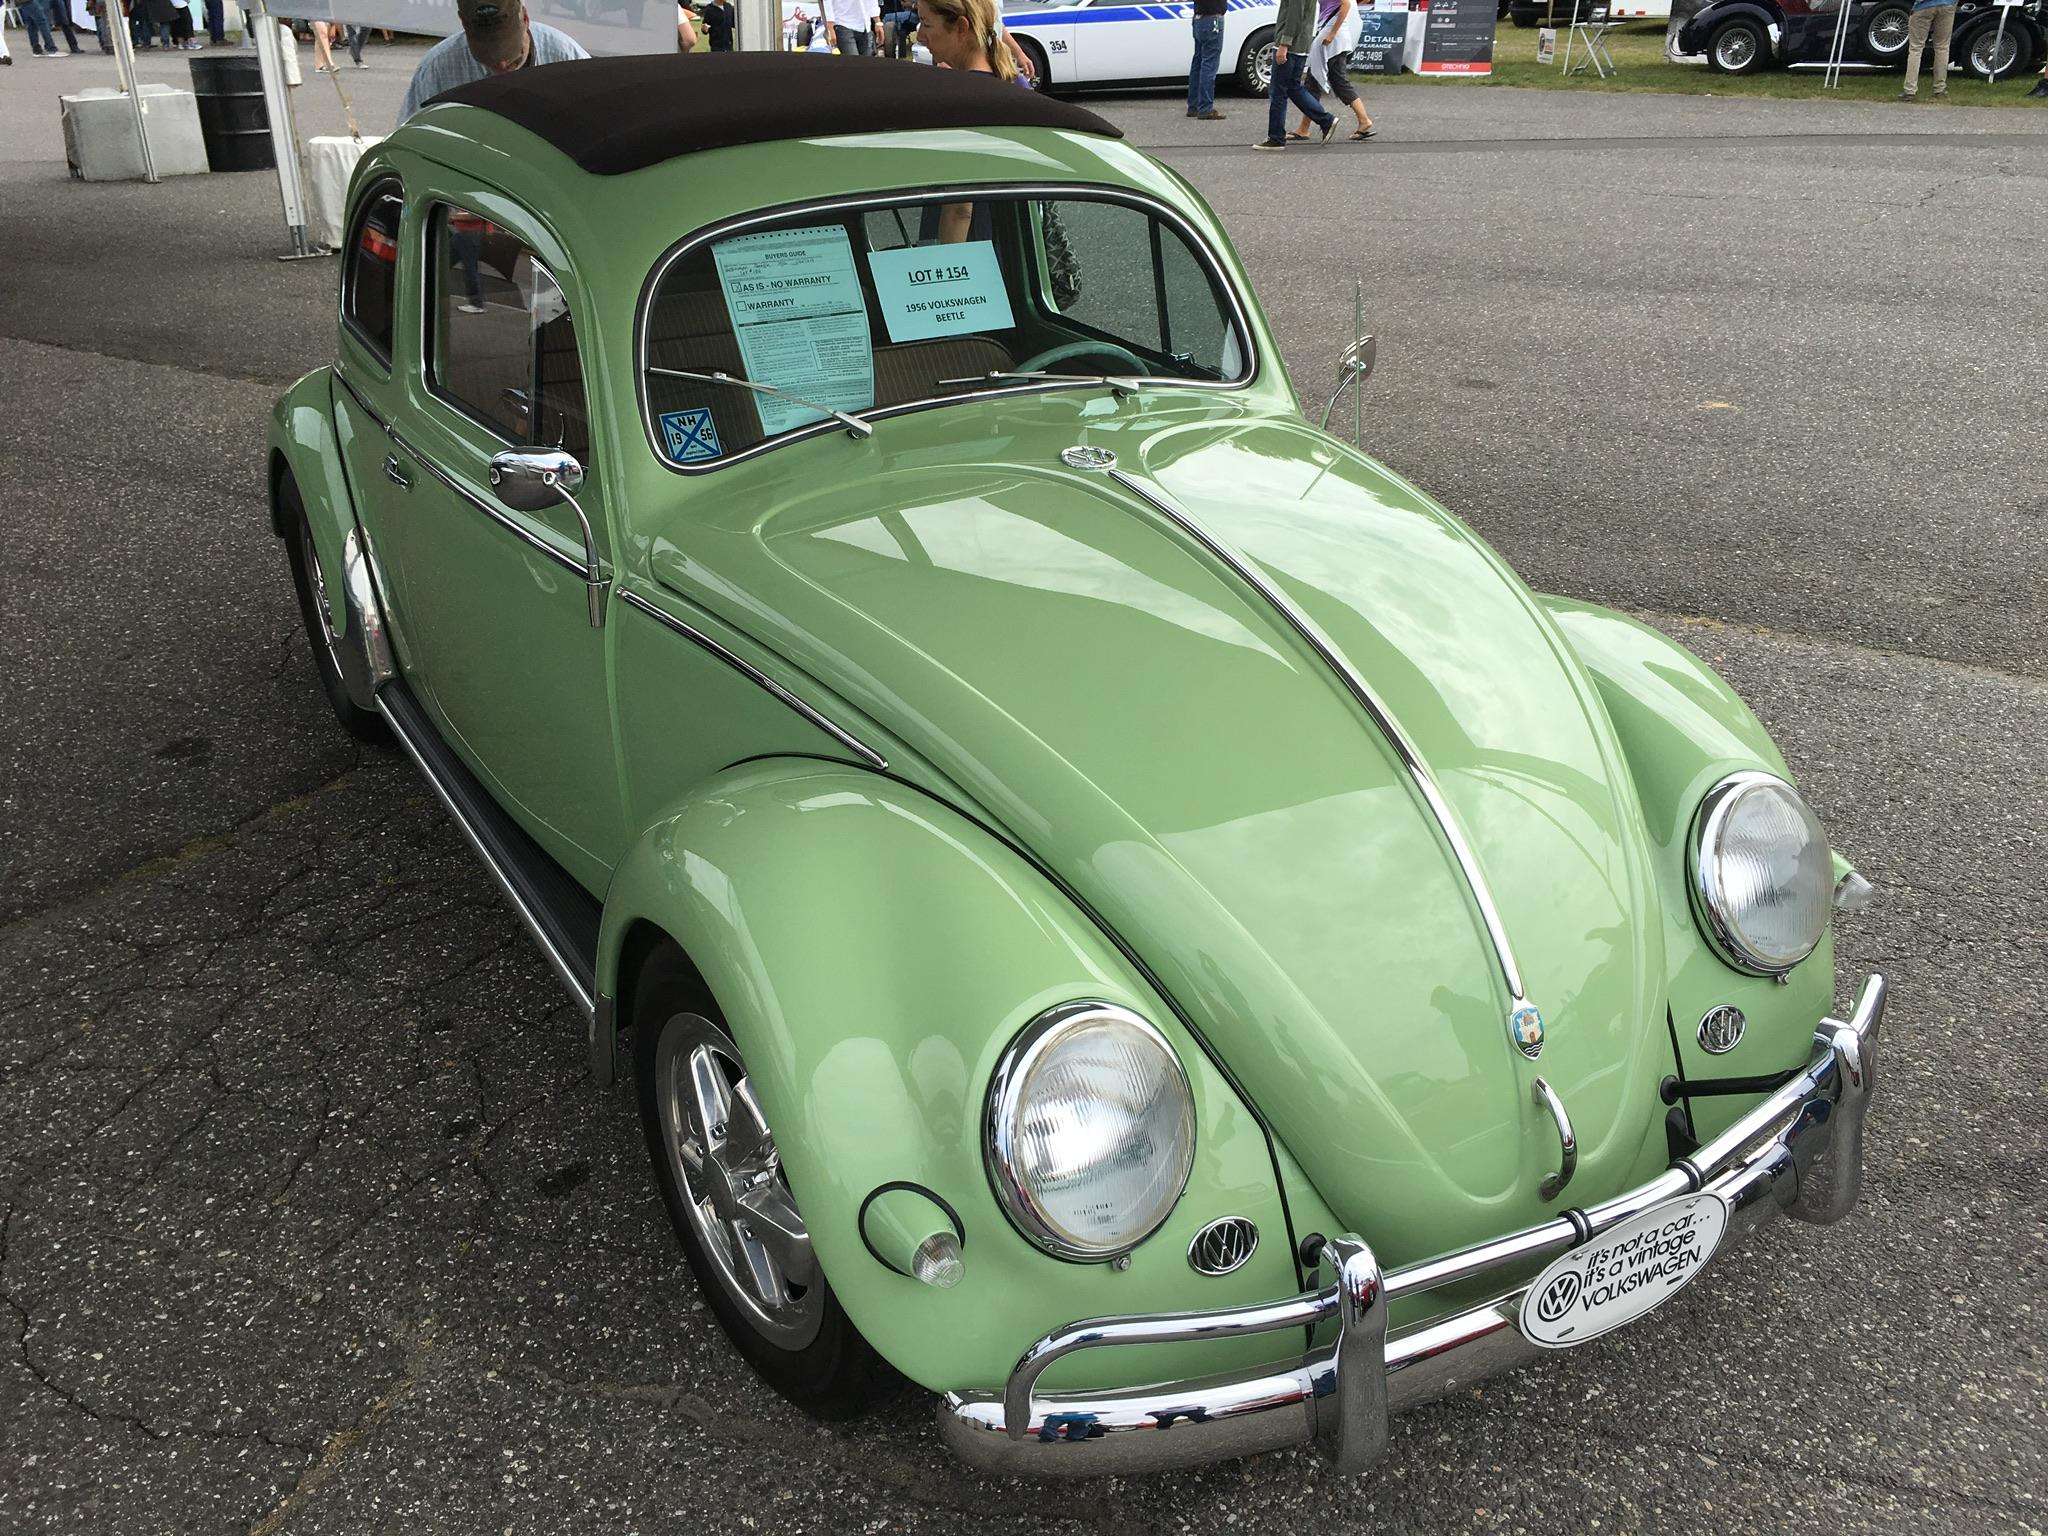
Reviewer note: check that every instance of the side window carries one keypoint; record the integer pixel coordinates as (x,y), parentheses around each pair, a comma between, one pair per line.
(369,285)
(500,342)
(1124,274)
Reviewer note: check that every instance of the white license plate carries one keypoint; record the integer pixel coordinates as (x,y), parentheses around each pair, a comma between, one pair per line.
(1623,1273)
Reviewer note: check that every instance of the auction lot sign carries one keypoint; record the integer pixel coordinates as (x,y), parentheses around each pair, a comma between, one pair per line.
(602,26)
(1457,37)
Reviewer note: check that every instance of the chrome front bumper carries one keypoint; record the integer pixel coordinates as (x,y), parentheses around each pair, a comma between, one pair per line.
(1799,1151)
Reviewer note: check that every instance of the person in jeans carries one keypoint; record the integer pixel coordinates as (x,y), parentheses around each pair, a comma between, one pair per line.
(1208,54)
(59,12)
(856,26)
(1337,29)
(1294,33)
(36,21)
(1938,17)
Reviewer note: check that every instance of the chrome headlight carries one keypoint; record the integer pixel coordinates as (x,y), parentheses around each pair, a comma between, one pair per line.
(1091,1131)
(1761,873)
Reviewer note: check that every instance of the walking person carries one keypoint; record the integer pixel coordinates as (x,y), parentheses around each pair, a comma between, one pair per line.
(60,18)
(97,10)
(216,23)
(1208,28)
(856,26)
(1338,24)
(155,19)
(356,36)
(1294,33)
(36,21)
(1939,18)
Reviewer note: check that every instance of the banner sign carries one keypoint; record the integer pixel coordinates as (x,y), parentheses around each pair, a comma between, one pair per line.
(1382,37)
(1457,37)
(601,26)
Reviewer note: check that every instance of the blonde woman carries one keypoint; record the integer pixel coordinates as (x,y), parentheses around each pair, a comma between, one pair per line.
(967,35)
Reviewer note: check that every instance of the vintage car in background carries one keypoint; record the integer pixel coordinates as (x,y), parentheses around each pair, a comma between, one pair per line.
(1739,37)
(1111,902)
(1079,44)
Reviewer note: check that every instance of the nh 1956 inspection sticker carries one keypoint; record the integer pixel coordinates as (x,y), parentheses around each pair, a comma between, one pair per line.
(689,435)
(941,290)
(1623,1272)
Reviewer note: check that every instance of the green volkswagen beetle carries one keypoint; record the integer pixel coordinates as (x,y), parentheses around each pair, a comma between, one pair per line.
(1113,904)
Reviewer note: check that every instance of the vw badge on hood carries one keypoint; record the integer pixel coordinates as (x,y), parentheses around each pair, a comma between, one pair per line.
(1223,1246)
(1721,1029)
(1525,1024)
(1085,457)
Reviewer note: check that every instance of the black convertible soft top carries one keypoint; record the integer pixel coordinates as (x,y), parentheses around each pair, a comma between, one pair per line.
(616,115)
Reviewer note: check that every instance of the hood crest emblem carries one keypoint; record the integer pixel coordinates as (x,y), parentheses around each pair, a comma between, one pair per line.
(1223,1246)
(1085,457)
(1525,1028)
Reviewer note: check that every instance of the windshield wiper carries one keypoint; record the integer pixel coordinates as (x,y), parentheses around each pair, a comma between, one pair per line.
(855,426)
(1122,386)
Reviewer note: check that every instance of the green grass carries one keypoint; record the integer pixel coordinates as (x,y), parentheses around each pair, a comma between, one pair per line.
(1640,65)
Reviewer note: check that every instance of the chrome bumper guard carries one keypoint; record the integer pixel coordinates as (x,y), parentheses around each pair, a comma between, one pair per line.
(1799,1151)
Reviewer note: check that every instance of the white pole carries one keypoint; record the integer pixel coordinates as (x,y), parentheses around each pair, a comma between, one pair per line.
(284,130)
(1998,42)
(760,25)
(116,26)
(1833,78)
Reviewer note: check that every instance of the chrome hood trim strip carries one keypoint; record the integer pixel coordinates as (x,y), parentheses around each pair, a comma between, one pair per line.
(1375,710)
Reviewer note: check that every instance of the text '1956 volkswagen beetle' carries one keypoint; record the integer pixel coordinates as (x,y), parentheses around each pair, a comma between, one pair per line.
(1111,902)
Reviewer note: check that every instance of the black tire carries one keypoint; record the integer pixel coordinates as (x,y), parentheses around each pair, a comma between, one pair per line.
(1884,33)
(1255,64)
(1738,47)
(832,1372)
(1041,73)
(2013,56)
(363,724)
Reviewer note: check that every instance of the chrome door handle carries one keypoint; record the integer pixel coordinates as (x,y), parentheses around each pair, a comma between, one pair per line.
(395,472)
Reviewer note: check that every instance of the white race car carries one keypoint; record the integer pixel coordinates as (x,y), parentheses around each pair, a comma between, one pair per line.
(1079,43)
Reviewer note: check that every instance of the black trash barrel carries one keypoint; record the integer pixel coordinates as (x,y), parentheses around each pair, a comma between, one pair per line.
(232,117)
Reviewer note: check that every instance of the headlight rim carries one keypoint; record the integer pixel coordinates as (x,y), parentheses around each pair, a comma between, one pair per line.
(1709,913)
(1012,1068)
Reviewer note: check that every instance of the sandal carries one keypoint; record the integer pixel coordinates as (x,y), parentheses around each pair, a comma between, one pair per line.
(1365,133)
(1297,138)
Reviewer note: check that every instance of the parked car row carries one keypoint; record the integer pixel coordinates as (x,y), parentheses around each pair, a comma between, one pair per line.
(1740,37)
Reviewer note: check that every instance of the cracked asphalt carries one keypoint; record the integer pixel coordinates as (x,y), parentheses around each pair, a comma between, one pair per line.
(310,1218)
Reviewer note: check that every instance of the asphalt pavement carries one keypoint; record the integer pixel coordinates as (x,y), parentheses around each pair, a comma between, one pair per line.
(310,1218)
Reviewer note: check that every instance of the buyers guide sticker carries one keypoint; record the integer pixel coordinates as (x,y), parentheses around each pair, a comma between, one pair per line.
(801,322)
(1623,1273)
(941,290)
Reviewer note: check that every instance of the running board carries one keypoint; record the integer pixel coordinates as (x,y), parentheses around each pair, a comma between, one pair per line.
(562,916)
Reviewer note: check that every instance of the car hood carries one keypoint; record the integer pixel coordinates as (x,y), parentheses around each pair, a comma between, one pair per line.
(1133,712)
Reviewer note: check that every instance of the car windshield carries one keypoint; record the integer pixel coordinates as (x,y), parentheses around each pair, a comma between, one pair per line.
(835,312)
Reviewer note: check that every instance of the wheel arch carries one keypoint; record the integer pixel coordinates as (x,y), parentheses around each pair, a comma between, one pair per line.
(872,952)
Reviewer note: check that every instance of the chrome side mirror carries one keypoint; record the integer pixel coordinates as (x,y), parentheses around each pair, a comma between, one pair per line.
(1354,367)
(539,478)
(536,480)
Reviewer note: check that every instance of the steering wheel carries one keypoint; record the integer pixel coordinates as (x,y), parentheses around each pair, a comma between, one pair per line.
(1135,364)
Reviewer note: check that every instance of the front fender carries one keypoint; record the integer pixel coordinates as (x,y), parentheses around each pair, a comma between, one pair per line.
(873,952)
(1682,729)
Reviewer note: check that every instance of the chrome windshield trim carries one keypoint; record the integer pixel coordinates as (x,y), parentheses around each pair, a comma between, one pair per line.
(755,675)
(1370,702)
(1076,190)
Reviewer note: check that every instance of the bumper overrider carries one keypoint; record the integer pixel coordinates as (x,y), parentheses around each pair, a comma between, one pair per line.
(1799,1151)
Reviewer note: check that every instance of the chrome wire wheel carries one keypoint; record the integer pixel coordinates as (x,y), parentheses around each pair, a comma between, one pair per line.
(1262,68)
(1992,55)
(1887,34)
(1735,50)
(723,1160)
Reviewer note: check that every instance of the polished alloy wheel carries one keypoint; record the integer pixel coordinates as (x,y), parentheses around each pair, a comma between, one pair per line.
(724,1162)
(1735,50)
(1262,68)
